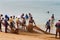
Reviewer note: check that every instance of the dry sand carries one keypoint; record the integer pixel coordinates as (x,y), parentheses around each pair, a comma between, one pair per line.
(26,36)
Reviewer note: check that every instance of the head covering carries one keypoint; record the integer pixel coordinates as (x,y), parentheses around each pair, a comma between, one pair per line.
(7,17)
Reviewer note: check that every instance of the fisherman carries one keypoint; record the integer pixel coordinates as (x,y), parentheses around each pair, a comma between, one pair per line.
(26,16)
(48,26)
(30,26)
(23,24)
(1,22)
(57,28)
(6,23)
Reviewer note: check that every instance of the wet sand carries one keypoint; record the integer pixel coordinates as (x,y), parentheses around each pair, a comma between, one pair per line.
(26,36)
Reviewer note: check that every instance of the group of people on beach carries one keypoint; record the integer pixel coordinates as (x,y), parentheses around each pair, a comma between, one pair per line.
(14,24)
(50,23)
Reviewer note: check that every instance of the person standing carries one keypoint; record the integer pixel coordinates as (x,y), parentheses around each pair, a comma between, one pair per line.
(26,16)
(22,16)
(57,28)
(6,23)
(30,25)
(11,22)
(1,22)
(23,24)
(30,15)
(18,22)
(48,26)
(52,20)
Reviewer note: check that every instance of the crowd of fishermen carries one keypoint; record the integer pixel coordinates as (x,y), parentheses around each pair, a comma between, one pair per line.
(13,23)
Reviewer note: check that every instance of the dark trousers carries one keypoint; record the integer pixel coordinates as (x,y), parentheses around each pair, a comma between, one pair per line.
(6,28)
(48,28)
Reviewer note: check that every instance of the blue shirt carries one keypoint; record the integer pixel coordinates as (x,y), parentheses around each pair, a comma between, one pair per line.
(48,23)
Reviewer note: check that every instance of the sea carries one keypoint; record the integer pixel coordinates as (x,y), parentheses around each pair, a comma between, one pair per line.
(37,8)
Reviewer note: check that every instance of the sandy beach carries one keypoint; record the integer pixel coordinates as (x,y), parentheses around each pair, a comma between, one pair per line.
(26,36)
